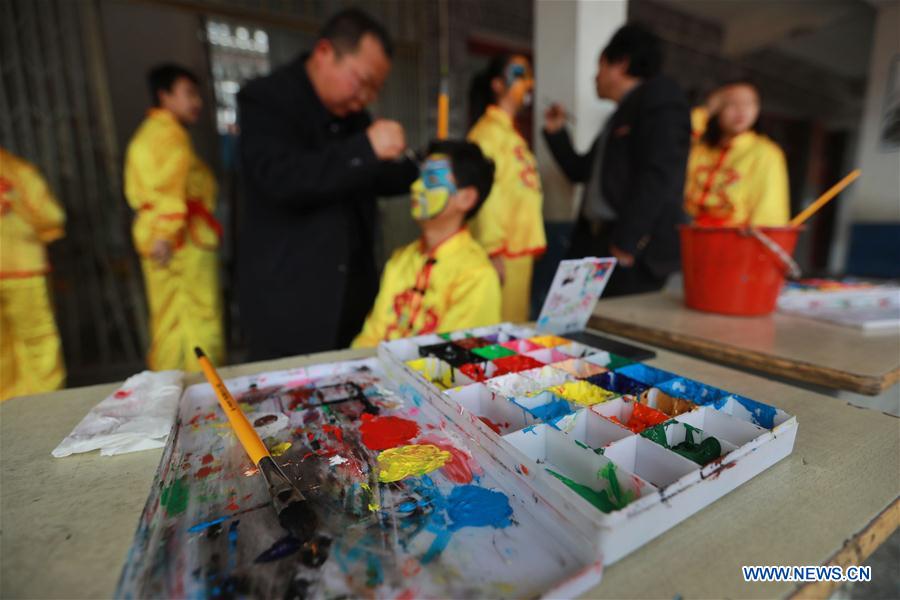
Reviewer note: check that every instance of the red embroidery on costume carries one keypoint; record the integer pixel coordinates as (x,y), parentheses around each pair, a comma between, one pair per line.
(714,206)
(528,174)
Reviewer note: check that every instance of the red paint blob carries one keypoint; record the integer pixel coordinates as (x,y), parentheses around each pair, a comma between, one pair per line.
(642,417)
(458,469)
(474,371)
(205,472)
(122,394)
(207,459)
(334,430)
(514,364)
(524,469)
(381,433)
(233,507)
(490,424)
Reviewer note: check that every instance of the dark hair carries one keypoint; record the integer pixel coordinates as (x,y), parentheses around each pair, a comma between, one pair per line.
(346,28)
(162,77)
(639,46)
(713,134)
(470,168)
(481,90)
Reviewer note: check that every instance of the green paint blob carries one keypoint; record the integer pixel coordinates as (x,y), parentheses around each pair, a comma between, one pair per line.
(598,499)
(174,497)
(492,352)
(620,497)
(701,453)
(606,500)
(617,362)
(656,434)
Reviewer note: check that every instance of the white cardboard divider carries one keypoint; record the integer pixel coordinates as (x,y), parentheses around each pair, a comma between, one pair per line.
(649,461)
(723,426)
(552,449)
(481,401)
(592,430)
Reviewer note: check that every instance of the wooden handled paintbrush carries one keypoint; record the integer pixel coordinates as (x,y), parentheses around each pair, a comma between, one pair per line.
(294,512)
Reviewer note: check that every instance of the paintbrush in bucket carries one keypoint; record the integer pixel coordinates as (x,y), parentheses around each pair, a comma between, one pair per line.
(294,512)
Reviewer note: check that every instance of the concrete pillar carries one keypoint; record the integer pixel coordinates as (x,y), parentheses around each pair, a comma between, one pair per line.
(568,38)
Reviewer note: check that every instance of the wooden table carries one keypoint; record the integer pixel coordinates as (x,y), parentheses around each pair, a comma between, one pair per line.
(67,524)
(794,348)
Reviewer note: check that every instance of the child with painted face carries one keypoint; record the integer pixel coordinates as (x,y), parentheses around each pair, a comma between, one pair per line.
(444,281)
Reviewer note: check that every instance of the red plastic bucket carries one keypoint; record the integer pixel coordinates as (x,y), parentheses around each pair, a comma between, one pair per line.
(730,271)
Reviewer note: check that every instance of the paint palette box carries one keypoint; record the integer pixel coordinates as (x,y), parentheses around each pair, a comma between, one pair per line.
(629,449)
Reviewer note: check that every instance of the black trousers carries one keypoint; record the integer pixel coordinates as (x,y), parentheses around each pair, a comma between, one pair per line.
(594,240)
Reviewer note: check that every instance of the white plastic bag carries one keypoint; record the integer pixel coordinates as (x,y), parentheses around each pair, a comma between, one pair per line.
(137,416)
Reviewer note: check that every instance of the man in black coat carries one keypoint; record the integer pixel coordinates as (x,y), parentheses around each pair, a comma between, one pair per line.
(313,162)
(634,172)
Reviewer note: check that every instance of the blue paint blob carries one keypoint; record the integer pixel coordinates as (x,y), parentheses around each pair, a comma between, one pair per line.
(474,506)
(644,374)
(283,547)
(762,414)
(618,383)
(688,389)
(206,525)
(552,411)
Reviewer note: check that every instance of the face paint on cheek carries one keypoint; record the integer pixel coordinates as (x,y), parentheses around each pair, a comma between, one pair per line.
(431,192)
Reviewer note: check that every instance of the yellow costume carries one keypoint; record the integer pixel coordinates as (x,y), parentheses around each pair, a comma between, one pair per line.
(699,119)
(510,224)
(452,287)
(745,182)
(31,358)
(174,194)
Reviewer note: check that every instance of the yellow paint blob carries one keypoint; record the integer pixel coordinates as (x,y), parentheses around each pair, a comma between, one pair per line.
(374,507)
(582,393)
(279,449)
(408,461)
(434,370)
(550,341)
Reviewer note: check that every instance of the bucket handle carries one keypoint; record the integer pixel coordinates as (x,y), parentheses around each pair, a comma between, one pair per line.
(793,269)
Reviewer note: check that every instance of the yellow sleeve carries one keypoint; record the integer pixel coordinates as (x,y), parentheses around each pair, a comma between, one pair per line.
(375,328)
(771,192)
(489,226)
(474,300)
(39,207)
(166,185)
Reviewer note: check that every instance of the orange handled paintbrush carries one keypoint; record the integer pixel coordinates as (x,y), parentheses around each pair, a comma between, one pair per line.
(294,512)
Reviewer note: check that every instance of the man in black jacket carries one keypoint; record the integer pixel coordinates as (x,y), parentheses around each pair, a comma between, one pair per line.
(313,162)
(634,172)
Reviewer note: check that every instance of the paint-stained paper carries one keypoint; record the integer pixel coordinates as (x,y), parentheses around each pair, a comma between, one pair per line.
(137,416)
(576,288)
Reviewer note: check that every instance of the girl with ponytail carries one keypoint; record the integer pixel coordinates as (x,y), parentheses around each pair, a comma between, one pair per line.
(510,225)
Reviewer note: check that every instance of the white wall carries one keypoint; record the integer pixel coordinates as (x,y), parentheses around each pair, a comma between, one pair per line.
(568,37)
(876,195)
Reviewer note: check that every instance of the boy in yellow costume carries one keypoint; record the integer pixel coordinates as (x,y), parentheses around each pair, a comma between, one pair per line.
(443,281)
(736,176)
(175,233)
(511,224)
(31,359)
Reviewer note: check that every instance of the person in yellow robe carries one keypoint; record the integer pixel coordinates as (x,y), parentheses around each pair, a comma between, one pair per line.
(173,194)
(511,224)
(31,359)
(737,176)
(443,281)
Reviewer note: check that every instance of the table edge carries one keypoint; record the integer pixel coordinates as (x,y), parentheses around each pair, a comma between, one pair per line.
(855,550)
(744,358)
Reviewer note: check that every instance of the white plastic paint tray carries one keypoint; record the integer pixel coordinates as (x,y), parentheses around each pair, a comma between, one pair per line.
(664,487)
